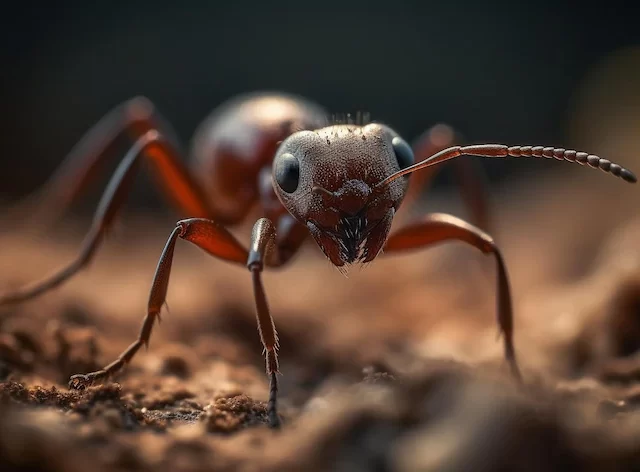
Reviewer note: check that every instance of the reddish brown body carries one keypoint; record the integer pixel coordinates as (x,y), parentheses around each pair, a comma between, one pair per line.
(278,154)
(233,149)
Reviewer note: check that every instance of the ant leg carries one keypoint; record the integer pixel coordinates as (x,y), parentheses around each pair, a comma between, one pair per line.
(439,227)
(263,241)
(469,176)
(472,184)
(153,145)
(156,300)
(289,238)
(290,233)
(433,140)
(206,234)
(218,242)
(98,146)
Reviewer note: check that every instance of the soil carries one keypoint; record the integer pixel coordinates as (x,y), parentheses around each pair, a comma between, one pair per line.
(397,367)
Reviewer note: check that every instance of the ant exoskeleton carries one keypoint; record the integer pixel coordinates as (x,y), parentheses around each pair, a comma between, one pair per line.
(341,183)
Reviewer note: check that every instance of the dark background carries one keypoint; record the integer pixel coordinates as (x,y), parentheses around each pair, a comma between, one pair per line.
(504,73)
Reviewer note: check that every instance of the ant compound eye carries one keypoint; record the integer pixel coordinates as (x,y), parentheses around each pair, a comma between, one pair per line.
(287,172)
(404,153)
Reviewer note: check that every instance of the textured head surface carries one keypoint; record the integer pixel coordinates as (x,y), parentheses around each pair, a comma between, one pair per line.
(326,179)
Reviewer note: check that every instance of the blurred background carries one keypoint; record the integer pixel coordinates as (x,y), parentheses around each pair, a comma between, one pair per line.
(522,73)
(529,73)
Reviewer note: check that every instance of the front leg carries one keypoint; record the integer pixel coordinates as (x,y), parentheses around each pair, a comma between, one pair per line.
(218,242)
(263,240)
(437,228)
(206,234)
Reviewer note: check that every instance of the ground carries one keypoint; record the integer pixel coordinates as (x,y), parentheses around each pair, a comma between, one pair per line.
(397,367)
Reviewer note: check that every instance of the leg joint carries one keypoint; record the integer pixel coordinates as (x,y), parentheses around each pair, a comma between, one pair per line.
(254,261)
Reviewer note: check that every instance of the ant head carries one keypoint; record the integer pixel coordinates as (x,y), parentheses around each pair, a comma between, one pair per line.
(328,180)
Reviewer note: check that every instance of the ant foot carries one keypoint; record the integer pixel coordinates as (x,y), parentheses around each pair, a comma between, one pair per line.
(82,381)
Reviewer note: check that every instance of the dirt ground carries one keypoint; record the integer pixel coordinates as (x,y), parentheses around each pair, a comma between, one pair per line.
(397,367)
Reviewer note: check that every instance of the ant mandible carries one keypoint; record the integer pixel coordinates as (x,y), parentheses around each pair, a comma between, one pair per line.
(342,183)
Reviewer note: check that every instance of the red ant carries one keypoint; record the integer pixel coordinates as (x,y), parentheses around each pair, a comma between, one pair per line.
(341,183)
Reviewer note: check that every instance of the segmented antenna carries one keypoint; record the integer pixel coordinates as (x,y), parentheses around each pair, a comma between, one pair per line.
(581,158)
(500,150)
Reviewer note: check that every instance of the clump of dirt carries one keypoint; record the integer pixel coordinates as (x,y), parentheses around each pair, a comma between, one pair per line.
(103,402)
(227,415)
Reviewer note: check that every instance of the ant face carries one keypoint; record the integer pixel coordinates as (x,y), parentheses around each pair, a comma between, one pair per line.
(328,180)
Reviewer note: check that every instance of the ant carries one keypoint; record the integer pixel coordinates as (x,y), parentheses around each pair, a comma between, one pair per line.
(342,183)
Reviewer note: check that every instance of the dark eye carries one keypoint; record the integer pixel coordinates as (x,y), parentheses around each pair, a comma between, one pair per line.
(287,172)
(403,152)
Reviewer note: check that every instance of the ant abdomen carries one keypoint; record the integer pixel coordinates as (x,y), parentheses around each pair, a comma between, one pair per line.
(240,138)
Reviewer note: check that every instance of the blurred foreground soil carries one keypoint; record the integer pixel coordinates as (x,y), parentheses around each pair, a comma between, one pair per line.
(397,367)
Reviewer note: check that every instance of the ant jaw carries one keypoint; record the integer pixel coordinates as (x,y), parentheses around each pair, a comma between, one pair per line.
(378,235)
(327,242)
(354,239)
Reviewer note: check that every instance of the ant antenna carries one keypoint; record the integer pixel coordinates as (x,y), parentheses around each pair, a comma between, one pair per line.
(500,150)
